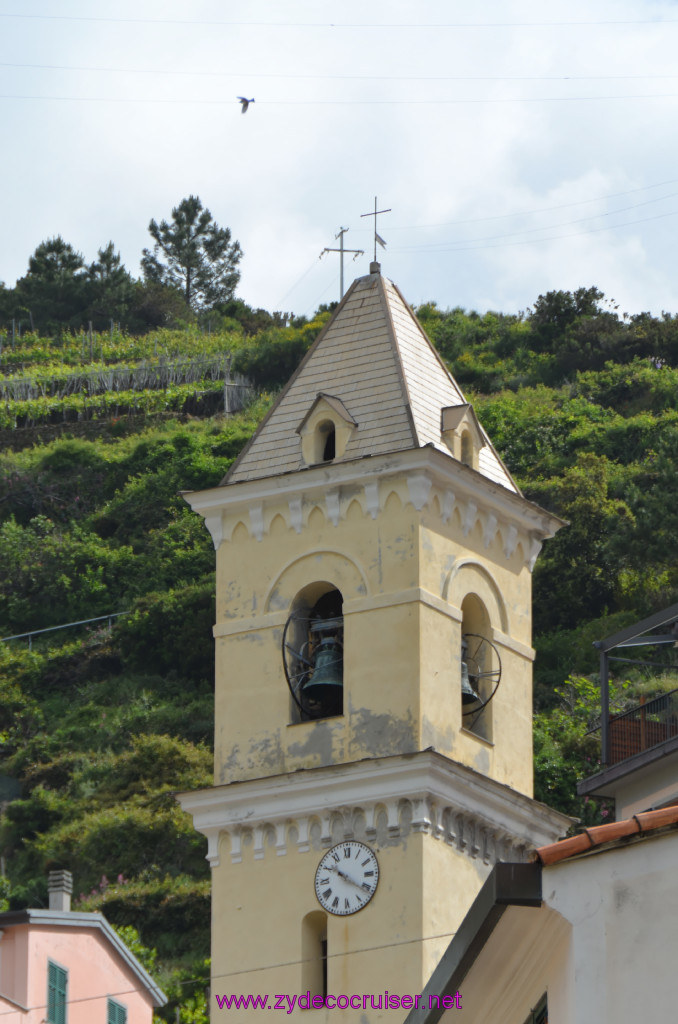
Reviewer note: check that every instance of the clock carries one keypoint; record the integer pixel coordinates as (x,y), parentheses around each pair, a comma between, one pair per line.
(346,878)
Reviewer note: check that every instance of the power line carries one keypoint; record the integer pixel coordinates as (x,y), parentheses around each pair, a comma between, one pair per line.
(83,999)
(347,24)
(334,956)
(316,77)
(530,213)
(298,282)
(464,247)
(547,227)
(339,103)
(314,305)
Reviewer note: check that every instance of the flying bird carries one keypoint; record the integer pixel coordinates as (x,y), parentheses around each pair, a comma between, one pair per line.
(245,103)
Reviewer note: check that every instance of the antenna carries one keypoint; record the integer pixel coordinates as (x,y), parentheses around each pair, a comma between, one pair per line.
(377,238)
(341,251)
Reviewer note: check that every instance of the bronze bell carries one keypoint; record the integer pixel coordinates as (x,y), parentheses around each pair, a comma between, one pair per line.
(468,694)
(324,691)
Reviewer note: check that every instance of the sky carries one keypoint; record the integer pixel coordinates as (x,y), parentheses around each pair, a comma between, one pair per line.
(519,147)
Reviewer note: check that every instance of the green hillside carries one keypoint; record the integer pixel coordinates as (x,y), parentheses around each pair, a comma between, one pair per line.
(102,723)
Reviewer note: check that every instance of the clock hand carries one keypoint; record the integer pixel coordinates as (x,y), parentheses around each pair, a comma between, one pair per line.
(347,878)
(342,874)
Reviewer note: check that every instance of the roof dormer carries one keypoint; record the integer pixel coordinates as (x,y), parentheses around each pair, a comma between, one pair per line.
(374,355)
(325,430)
(462,433)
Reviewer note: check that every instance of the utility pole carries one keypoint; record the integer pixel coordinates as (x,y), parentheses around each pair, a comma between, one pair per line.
(341,251)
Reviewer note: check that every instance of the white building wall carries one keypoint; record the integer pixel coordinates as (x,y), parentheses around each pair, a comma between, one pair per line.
(648,788)
(622,905)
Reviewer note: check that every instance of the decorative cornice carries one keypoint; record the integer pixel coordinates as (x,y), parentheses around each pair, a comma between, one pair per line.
(428,472)
(496,511)
(423,792)
(333,507)
(257,520)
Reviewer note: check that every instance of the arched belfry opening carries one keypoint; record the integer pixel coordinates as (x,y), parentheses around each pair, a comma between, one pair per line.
(313,653)
(480,668)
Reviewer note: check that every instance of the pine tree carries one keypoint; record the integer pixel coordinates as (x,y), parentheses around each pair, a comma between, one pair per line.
(194,254)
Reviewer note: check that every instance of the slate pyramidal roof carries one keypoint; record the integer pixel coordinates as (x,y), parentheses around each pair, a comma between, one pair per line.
(373,356)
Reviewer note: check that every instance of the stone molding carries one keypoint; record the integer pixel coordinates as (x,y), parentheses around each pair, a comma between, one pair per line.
(357,605)
(419,477)
(296,511)
(385,798)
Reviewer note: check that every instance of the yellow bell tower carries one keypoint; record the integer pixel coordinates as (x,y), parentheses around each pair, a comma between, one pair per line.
(373,749)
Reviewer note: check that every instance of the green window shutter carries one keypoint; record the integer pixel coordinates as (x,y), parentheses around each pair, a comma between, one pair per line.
(57,979)
(117,1014)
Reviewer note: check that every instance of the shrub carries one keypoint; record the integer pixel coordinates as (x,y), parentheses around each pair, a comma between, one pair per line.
(171,632)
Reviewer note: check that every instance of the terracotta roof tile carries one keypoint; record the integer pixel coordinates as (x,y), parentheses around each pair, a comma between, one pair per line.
(616,831)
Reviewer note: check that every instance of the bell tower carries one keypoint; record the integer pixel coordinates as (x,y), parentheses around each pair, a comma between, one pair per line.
(373,749)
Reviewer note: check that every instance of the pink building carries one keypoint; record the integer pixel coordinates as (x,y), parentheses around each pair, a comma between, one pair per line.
(62,967)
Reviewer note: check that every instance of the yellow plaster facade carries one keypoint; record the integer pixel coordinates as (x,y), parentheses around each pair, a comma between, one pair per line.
(392,945)
(424,550)
(403,574)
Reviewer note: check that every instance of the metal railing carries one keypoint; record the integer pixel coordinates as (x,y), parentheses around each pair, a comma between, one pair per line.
(646,725)
(66,625)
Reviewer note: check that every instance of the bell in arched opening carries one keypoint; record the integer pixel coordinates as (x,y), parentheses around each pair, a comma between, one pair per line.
(323,692)
(468,694)
(313,657)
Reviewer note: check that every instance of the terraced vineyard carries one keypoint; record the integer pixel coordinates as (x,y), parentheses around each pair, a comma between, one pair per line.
(181,372)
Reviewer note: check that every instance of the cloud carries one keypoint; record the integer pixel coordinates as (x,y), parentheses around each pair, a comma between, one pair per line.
(492,143)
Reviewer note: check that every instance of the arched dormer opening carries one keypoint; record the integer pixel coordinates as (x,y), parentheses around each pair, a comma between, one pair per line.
(466,448)
(313,653)
(326,441)
(462,433)
(325,430)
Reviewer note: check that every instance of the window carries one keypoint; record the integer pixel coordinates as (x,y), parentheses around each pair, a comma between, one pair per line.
(540,1014)
(467,449)
(117,1014)
(325,430)
(57,979)
(330,449)
(314,953)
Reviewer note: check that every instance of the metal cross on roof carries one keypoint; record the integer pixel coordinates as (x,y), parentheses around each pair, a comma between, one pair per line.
(377,238)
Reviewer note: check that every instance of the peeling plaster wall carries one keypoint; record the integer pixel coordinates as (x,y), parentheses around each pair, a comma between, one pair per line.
(257,583)
(403,573)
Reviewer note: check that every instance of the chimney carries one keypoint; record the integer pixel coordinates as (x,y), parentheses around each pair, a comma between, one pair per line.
(60,887)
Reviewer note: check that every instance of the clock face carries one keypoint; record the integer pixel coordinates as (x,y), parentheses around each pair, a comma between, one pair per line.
(346,878)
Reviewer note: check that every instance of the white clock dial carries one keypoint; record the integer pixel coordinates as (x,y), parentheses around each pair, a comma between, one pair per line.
(346,878)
